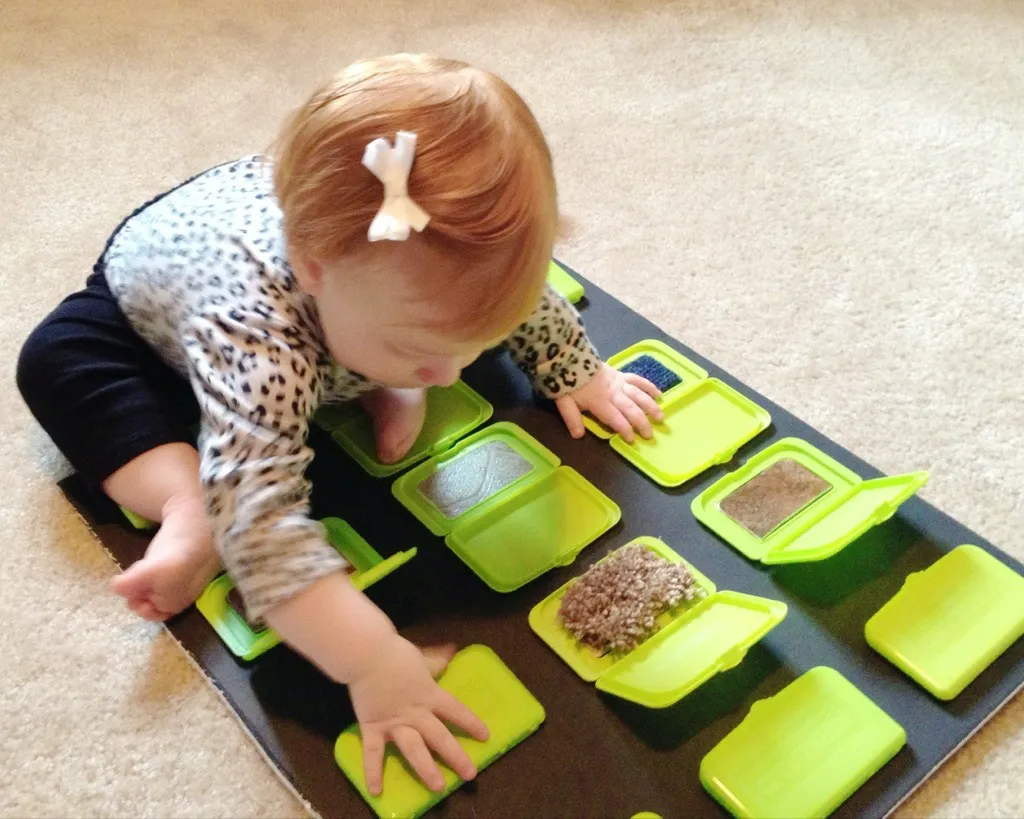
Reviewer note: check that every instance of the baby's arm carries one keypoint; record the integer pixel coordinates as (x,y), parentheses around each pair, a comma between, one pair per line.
(257,388)
(553,349)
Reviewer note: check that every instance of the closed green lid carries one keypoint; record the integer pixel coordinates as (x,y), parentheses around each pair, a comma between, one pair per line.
(949,622)
(451,413)
(485,685)
(703,426)
(564,284)
(687,371)
(246,643)
(696,640)
(803,752)
(824,526)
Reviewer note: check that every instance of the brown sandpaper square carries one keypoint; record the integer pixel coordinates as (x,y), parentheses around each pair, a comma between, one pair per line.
(774,496)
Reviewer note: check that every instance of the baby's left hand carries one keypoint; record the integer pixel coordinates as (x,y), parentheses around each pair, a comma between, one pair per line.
(621,401)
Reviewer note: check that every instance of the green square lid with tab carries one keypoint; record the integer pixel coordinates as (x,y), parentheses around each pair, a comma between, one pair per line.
(951,621)
(485,685)
(809,527)
(677,373)
(803,752)
(247,641)
(563,283)
(506,506)
(694,642)
(451,413)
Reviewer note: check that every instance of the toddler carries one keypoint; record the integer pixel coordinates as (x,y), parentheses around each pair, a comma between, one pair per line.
(402,226)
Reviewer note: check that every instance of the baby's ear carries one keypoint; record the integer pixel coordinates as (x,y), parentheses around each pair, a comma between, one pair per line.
(565,228)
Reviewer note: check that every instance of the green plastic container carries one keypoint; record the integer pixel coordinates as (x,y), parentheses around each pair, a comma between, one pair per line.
(542,520)
(137,521)
(247,644)
(451,413)
(803,752)
(687,371)
(696,640)
(706,421)
(564,284)
(821,529)
(951,621)
(480,680)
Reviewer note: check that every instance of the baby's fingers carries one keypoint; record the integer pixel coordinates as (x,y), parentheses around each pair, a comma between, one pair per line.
(373,760)
(643,384)
(455,713)
(610,415)
(411,744)
(445,745)
(637,418)
(645,402)
(570,413)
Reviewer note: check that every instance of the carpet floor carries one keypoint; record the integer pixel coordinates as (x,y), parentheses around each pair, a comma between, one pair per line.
(824,197)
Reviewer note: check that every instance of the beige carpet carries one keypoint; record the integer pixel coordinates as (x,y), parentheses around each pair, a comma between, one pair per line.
(823,197)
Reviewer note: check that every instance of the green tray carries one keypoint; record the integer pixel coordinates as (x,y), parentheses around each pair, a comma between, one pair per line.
(695,642)
(137,521)
(451,413)
(949,622)
(687,371)
(822,528)
(803,752)
(248,644)
(481,681)
(542,520)
(564,284)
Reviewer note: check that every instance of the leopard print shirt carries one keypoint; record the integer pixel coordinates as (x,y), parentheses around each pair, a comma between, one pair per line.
(202,276)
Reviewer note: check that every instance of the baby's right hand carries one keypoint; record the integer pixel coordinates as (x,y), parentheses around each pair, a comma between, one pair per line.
(396,699)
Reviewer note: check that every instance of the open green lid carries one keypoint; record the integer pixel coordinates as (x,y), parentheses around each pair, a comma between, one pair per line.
(696,641)
(951,621)
(248,643)
(803,752)
(821,527)
(451,413)
(834,527)
(564,284)
(704,426)
(509,511)
(687,372)
(712,637)
(482,682)
(473,476)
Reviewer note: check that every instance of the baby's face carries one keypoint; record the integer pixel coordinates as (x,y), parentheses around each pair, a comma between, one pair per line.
(378,325)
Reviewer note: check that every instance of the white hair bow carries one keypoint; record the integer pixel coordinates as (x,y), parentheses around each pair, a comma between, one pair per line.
(391,165)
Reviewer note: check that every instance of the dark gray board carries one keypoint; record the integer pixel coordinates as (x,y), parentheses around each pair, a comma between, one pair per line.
(596,756)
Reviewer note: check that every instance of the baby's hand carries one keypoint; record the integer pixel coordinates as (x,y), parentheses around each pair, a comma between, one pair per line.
(622,401)
(398,700)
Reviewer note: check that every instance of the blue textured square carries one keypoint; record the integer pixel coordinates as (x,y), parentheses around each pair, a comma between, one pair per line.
(653,370)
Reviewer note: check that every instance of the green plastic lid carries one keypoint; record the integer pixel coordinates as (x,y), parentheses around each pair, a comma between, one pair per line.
(518,529)
(803,752)
(704,426)
(246,643)
(583,659)
(451,413)
(821,529)
(695,642)
(949,622)
(472,453)
(481,681)
(687,371)
(564,284)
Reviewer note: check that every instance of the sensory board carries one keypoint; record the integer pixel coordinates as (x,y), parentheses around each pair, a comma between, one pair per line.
(597,755)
